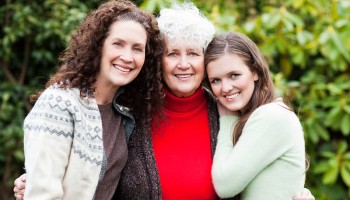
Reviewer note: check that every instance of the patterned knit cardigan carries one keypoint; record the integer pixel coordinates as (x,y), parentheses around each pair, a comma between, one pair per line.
(64,156)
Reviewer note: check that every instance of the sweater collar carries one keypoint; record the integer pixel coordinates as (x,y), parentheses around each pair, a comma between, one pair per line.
(184,104)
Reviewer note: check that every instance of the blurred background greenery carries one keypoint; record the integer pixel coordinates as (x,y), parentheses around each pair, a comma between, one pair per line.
(306,43)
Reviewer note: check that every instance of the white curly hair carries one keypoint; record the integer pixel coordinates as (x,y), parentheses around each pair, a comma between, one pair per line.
(185,22)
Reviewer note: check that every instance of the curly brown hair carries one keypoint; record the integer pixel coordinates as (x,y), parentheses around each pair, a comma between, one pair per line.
(80,61)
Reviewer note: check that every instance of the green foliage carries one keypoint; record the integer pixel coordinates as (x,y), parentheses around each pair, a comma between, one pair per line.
(305,42)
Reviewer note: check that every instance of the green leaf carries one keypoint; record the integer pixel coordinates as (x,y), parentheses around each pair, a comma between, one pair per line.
(249,26)
(271,20)
(333,115)
(321,167)
(339,44)
(346,156)
(331,176)
(328,154)
(345,173)
(322,131)
(301,38)
(312,134)
(324,37)
(295,19)
(342,146)
(345,124)
(334,89)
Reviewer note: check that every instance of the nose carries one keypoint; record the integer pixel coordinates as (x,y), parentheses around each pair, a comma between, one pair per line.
(227,87)
(183,63)
(126,55)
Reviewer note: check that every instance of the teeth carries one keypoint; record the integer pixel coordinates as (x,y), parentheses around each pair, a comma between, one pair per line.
(121,68)
(183,76)
(233,96)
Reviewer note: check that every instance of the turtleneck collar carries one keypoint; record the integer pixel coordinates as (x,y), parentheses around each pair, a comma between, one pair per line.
(184,104)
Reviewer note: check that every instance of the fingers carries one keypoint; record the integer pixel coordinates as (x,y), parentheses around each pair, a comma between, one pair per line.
(304,195)
(20,183)
(19,195)
(19,187)
(305,192)
(23,177)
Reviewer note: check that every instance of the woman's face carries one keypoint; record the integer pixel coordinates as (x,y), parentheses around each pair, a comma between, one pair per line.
(123,54)
(183,68)
(232,81)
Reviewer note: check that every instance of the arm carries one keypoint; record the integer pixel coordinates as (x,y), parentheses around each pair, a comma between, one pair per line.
(266,136)
(48,132)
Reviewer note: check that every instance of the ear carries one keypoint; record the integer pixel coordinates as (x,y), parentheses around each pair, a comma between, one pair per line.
(256,77)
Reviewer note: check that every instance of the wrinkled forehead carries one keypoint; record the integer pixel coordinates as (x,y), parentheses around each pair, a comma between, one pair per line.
(182,43)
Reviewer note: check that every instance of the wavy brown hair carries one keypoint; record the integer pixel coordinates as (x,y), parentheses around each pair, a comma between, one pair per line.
(80,61)
(241,45)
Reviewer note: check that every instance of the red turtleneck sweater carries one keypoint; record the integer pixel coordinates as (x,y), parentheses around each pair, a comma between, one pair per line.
(182,148)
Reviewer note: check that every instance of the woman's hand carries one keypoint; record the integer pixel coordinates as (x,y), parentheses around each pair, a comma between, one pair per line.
(304,195)
(20,185)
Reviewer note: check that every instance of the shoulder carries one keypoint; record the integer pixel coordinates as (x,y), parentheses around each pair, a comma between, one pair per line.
(275,111)
(60,93)
(63,98)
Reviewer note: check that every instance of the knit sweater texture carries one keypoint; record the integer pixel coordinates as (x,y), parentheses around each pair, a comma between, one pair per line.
(140,178)
(64,154)
(267,162)
(184,165)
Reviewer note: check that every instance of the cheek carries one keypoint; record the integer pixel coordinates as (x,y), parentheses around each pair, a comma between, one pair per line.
(200,67)
(167,68)
(165,78)
(215,89)
(165,63)
(140,60)
(200,72)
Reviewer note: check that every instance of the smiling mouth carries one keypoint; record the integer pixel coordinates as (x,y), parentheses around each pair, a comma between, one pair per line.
(232,96)
(183,76)
(122,68)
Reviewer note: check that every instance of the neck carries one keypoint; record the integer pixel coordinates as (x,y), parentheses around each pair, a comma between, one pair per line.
(104,93)
(186,104)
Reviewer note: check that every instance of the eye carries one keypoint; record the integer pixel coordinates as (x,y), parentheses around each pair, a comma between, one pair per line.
(138,49)
(192,53)
(234,75)
(172,54)
(117,44)
(214,81)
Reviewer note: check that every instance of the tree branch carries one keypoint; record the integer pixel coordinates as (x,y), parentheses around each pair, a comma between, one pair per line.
(24,65)
(7,71)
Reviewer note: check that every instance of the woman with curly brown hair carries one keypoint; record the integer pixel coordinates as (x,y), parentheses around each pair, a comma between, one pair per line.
(75,144)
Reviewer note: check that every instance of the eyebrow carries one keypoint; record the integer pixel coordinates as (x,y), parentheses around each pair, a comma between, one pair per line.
(134,44)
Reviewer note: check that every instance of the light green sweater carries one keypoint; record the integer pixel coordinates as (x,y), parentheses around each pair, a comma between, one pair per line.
(267,162)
